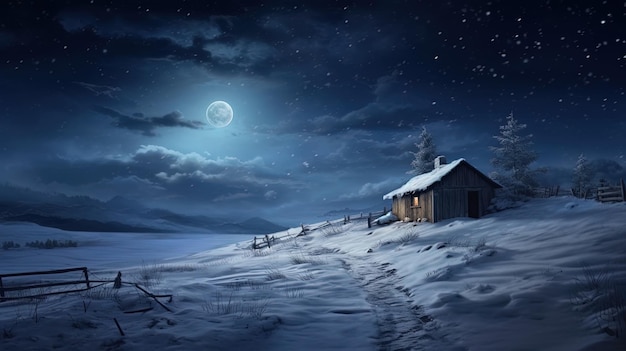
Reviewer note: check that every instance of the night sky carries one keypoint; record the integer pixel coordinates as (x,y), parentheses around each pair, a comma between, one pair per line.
(106,98)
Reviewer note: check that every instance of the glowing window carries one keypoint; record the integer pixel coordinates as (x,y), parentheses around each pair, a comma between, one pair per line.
(416,201)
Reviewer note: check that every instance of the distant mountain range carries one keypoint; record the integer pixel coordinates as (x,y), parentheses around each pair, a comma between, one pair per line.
(119,214)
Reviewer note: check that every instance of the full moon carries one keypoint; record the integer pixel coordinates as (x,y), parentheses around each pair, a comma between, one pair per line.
(219,114)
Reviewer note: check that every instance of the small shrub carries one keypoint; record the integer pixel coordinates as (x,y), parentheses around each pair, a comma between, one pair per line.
(248,283)
(301,259)
(294,293)
(597,291)
(480,244)
(274,274)
(455,241)
(150,276)
(588,287)
(612,309)
(221,305)
(324,251)
(260,252)
(10,245)
(179,268)
(231,305)
(51,244)
(255,309)
(438,274)
(306,276)
(102,293)
(330,230)
(409,235)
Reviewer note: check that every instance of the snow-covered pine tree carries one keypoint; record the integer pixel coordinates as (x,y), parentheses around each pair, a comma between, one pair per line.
(424,158)
(583,174)
(512,160)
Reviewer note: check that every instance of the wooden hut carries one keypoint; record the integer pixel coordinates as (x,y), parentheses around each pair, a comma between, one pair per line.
(450,190)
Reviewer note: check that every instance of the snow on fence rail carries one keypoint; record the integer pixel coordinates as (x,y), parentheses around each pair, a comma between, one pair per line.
(612,193)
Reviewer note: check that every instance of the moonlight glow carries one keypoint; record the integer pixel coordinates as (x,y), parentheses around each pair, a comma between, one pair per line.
(219,114)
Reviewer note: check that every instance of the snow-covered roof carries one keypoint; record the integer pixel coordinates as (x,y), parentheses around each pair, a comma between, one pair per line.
(423,181)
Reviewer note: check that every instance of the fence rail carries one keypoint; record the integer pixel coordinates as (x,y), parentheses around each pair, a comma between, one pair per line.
(612,193)
(26,287)
(551,191)
(268,241)
(603,193)
(265,241)
(364,216)
(89,284)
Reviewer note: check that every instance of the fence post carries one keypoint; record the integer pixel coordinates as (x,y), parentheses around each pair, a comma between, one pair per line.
(369,221)
(623,189)
(385,210)
(1,288)
(254,244)
(86,277)
(117,283)
(267,238)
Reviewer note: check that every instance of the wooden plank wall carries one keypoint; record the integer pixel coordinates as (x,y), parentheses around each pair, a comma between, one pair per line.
(449,196)
(402,207)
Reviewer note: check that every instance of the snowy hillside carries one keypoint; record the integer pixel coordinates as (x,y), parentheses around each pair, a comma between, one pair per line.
(550,275)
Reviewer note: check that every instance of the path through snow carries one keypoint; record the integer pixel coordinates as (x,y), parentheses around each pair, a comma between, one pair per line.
(402,325)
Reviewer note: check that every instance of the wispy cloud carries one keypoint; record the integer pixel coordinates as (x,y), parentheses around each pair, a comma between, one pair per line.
(147,125)
(101,89)
(372,189)
(190,177)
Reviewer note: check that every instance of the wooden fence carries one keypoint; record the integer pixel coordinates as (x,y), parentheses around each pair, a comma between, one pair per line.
(604,193)
(265,241)
(551,191)
(612,193)
(363,216)
(84,280)
(88,285)
(268,241)
(370,217)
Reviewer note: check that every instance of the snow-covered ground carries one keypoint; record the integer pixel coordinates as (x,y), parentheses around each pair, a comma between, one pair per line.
(549,275)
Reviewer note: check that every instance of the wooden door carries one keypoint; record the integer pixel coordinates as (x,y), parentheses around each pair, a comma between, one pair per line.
(473,204)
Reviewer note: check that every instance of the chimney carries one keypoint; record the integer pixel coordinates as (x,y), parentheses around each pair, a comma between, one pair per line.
(440,161)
